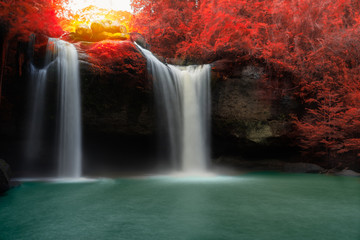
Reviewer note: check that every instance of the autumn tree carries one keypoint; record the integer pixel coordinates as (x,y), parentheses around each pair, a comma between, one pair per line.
(19,19)
(164,23)
(315,41)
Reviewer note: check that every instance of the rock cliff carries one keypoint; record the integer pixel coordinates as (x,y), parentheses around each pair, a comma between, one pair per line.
(249,116)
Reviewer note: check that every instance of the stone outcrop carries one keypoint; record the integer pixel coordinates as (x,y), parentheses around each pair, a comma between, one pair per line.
(117,96)
(247,111)
(247,114)
(347,173)
(99,31)
(303,168)
(83,31)
(268,164)
(139,39)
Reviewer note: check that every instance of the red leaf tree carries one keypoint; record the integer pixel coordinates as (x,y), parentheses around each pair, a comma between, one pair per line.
(20,18)
(316,41)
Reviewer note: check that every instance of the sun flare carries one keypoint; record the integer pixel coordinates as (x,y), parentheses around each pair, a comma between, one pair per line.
(123,5)
(78,16)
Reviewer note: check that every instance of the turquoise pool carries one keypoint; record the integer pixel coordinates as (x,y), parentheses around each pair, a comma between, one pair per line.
(256,206)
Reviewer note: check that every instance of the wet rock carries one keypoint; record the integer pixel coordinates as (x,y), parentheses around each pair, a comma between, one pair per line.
(250,165)
(348,173)
(4,176)
(139,39)
(302,168)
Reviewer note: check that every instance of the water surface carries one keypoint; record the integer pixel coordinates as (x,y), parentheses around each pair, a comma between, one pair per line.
(257,206)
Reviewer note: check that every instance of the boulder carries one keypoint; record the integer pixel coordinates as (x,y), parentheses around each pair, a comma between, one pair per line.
(107,24)
(348,173)
(111,36)
(116,28)
(99,31)
(119,36)
(250,165)
(139,39)
(4,176)
(98,27)
(302,168)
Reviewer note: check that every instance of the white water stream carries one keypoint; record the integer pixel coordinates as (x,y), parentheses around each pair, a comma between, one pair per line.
(70,140)
(69,150)
(182,96)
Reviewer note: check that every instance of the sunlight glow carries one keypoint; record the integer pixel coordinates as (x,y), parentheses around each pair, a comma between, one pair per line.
(117,5)
(84,12)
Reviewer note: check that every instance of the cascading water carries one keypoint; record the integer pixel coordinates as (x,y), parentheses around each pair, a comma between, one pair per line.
(70,141)
(182,96)
(65,57)
(37,90)
(196,116)
(38,85)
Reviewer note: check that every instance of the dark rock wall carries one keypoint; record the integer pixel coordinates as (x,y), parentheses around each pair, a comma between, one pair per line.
(117,110)
(249,118)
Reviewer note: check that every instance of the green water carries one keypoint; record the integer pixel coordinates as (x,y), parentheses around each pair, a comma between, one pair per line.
(262,206)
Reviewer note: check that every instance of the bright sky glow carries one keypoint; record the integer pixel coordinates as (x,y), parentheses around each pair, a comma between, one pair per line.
(123,5)
(77,12)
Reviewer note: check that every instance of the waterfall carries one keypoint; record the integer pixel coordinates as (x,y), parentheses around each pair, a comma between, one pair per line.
(64,56)
(196,117)
(69,129)
(37,90)
(37,99)
(182,96)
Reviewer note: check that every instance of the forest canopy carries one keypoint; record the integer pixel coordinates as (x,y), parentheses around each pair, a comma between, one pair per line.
(313,44)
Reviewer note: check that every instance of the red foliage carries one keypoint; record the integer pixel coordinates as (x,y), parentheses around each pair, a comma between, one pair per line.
(119,59)
(23,17)
(20,18)
(316,41)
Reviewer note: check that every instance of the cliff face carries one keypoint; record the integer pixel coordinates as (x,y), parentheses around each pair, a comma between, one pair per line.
(250,116)
(117,108)
(116,94)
